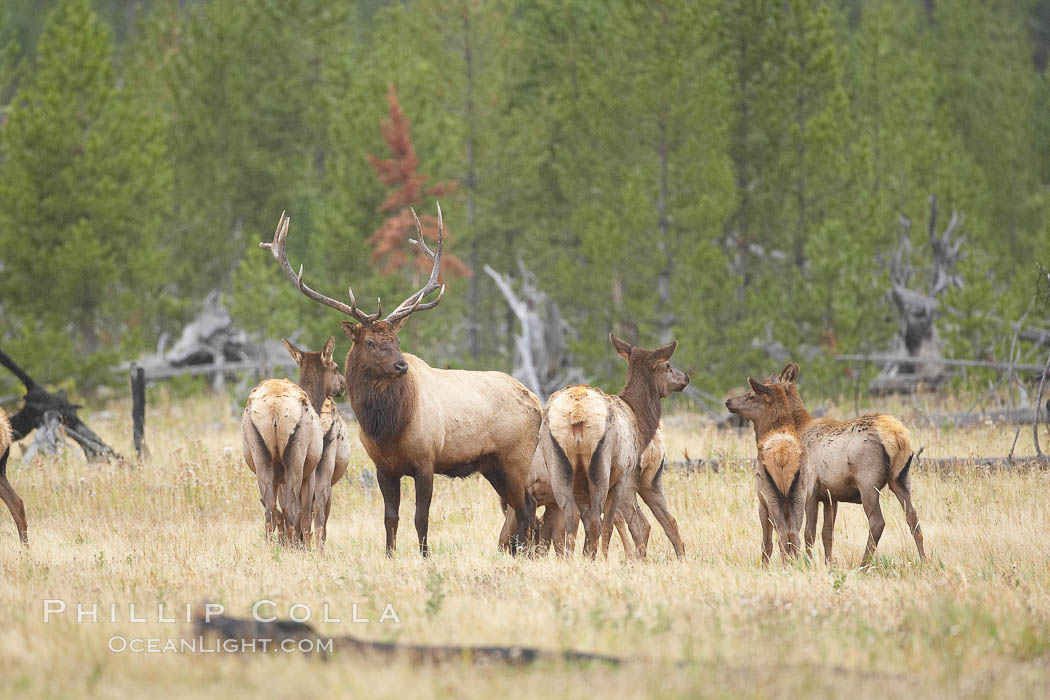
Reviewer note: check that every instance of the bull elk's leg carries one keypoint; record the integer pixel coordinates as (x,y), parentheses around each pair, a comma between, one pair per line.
(654,498)
(767,531)
(424,491)
(903,494)
(869,498)
(831,509)
(17,508)
(390,487)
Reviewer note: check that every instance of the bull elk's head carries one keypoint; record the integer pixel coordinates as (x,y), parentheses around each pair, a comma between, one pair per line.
(376,343)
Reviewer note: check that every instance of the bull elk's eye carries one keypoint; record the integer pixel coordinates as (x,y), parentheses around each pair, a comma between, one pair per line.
(369,343)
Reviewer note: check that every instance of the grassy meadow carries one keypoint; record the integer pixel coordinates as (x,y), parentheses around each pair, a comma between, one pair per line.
(186,525)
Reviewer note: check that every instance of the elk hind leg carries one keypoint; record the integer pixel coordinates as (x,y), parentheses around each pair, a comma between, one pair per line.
(869,498)
(903,494)
(654,498)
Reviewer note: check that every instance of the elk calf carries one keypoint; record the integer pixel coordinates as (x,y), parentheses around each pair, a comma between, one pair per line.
(284,441)
(552,530)
(853,461)
(7,492)
(783,476)
(592,442)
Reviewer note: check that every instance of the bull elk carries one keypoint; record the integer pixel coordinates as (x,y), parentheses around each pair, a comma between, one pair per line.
(283,439)
(592,442)
(783,476)
(853,461)
(418,421)
(7,492)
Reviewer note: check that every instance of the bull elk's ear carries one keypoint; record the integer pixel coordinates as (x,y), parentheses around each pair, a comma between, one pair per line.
(790,373)
(350,329)
(623,348)
(295,352)
(329,348)
(760,388)
(664,352)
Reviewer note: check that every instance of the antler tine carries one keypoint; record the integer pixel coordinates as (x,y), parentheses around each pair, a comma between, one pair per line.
(280,254)
(414,302)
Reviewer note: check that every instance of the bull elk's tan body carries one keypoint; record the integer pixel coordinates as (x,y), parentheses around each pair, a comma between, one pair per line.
(7,492)
(592,442)
(283,440)
(419,421)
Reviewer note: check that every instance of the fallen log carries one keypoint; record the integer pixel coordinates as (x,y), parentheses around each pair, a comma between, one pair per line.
(277,631)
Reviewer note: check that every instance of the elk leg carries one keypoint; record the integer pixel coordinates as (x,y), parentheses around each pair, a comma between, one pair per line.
(903,494)
(510,524)
(390,487)
(625,539)
(767,531)
(812,504)
(654,498)
(609,512)
(17,508)
(869,498)
(424,491)
(553,529)
(322,504)
(831,510)
(572,528)
(639,527)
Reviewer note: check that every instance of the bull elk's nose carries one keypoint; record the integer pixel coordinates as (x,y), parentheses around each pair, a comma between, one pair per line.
(401,367)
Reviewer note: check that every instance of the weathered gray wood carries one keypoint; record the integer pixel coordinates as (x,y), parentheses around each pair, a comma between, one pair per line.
(887,358)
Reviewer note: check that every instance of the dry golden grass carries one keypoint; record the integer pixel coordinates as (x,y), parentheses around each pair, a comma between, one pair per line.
(187,524)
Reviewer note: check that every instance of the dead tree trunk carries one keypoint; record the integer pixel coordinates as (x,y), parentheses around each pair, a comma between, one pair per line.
(919,308)
(541,351)
(38,402)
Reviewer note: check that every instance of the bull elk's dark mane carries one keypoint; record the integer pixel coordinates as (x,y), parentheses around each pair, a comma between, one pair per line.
(383,405)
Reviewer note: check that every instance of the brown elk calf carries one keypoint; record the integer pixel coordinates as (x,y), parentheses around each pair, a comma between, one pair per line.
(552,527)
(7,492)
(853,461)
(419,421)
(784,479)
(592,442)
(283,440)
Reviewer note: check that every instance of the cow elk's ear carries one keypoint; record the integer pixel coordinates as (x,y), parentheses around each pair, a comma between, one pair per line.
(760,388)
(350,329)
(664,352)
(329,349)
(295,352)
(623,348)
(790,373)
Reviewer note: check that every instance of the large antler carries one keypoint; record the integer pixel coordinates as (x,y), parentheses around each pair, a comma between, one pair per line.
(414,302)
(277,248)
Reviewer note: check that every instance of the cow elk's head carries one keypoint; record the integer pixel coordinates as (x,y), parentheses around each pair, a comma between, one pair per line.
(766,405)
(318,372)
(654,364)
(375,351)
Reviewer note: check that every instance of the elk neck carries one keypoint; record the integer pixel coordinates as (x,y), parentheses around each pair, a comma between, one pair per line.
(799,414)
(778,416)
(640,393)
(313,384)
(383,405)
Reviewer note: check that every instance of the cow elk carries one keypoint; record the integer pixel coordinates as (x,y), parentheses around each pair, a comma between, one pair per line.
(335,450)
(552,527)
(853,461)
(284,441)
(7,492)
(419,421)
(592,442)
(783,476)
